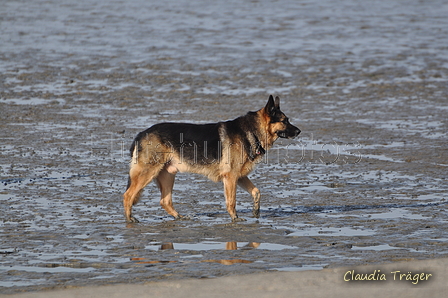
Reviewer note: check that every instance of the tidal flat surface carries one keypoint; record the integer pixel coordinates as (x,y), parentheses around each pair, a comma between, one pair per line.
(365,182)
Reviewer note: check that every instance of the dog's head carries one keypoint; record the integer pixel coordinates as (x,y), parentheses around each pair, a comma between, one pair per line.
(278,122)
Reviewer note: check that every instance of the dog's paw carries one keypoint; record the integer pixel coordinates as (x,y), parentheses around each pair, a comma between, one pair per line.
(187,217)
(132,220)
(238,219)
(256,212)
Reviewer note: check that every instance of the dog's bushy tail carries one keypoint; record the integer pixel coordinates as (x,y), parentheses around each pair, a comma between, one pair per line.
(129,183)
(131,150)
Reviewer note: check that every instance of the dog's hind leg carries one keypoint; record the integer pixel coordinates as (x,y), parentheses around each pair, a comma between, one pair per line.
(139,177)
(165,181)
(247,185)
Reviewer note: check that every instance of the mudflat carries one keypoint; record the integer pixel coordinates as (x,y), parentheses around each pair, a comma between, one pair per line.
(365,182)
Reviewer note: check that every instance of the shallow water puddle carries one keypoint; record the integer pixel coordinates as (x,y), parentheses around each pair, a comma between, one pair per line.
(390,214)
(381,247)
(145,261)
(374,247)
(344,231)
(223,261)
(52,268)
(208,246)
(228,262)
(212,245)
(301,268)
(396,213)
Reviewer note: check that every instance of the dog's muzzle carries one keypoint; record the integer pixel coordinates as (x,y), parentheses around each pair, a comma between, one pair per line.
(289,133)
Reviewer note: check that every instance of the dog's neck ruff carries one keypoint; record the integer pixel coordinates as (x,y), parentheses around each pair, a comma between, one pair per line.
(259,150)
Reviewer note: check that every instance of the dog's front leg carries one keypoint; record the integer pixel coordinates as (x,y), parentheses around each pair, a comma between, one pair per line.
(230,193)
(247,185)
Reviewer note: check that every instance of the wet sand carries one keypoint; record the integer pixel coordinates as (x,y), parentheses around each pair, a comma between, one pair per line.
(365,182)
(406,279)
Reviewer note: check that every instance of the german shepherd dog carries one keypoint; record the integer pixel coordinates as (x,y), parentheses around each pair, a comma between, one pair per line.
(224,151)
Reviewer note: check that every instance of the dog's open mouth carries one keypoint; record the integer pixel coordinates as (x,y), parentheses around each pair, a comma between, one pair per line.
(288,135)
(282,135)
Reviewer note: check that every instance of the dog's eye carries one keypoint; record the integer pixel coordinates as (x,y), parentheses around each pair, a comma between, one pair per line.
(285,121)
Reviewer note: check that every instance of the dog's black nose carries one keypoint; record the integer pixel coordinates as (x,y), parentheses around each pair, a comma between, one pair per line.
(298,131)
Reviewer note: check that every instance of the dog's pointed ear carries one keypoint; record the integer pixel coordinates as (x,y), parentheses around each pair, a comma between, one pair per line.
(270,106)
(277,102)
